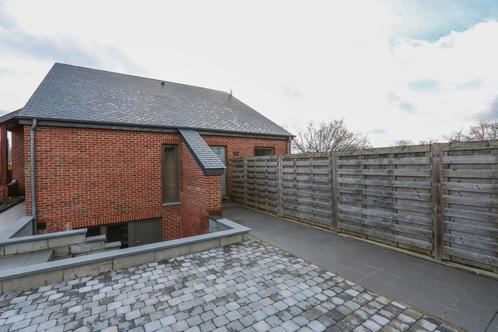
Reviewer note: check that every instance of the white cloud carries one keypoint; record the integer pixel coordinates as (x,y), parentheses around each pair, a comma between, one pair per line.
(342,62)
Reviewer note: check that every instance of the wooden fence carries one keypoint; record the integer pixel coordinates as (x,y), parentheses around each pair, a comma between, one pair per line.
(439,200)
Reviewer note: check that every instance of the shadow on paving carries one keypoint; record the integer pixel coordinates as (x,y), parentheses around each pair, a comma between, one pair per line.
(462,298)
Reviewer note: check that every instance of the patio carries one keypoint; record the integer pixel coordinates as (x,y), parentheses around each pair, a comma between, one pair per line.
(250,286)
(460,297)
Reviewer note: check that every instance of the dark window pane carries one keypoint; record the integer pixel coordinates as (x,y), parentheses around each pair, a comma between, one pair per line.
(93,231)
(171,190)
(264,152)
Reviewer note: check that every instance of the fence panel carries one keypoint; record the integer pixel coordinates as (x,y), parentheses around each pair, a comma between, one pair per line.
(385,195)
(470,204)
(262,183)
(306,185)
(238,180)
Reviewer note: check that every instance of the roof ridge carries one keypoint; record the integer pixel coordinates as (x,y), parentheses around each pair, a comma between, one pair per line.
(138,76)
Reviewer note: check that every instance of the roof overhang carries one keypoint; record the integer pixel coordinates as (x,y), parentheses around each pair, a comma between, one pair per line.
(205,157)
(24,120)
(9,117)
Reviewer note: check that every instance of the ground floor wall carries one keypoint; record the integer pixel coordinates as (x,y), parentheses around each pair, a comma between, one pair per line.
(91,177)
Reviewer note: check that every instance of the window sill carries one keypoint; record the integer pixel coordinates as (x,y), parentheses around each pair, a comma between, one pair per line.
(172,203)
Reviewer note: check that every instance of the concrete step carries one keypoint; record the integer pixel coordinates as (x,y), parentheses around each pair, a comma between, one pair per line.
(95,238)
(29,258)
(112,245)
(91,244)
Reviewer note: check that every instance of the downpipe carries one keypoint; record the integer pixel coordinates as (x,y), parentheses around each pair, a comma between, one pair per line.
(32,173)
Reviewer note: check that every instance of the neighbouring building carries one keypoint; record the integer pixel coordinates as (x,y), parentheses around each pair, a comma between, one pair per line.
(138,159)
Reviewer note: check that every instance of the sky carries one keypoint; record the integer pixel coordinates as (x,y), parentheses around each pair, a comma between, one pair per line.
(394,70)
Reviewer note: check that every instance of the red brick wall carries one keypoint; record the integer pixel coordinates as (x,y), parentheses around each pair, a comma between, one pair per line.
(245,148)
(88,177)
(172,226)
(17,157)
(92,177)
(200,196)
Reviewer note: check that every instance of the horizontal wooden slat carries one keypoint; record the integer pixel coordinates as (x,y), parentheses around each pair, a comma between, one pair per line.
(390,237)
(305,163)
(467,254)
(385,161)
(318,195)
(384,214)
(404,228)
(470,228)
(372,202)
(386,183)
(325,205)
(471,214)
(306,171)
(471,159)
(388,150)
(472,242)
(470,173)
(306,186)
(471,187)
(296,207)
(471,201)
(462,146)
(387,172)
(308,178)
(417,196)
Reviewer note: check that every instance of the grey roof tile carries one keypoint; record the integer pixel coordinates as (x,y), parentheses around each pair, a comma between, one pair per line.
(78,94)
(207,159)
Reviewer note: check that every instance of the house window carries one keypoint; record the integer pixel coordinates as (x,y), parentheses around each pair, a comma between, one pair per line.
(264,152)
(171,174)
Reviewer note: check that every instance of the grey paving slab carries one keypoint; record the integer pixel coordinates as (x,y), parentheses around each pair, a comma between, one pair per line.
(249,286)
(461,297)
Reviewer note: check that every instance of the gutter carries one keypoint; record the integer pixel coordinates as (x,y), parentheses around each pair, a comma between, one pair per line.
(23,119)
(32,171)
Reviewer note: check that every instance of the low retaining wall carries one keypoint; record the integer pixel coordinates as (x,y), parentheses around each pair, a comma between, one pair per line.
(19,279)
(59,241)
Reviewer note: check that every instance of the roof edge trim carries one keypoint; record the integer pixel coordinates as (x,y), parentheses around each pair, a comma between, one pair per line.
(26,120)
(205,157)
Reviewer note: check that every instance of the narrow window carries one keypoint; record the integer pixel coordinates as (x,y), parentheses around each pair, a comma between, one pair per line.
(171,190)
(264,152)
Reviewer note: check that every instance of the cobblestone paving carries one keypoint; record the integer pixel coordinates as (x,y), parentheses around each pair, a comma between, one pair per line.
(249,287)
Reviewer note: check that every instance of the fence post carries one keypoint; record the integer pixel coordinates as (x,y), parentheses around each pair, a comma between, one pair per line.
(334,190)
(437,213)
(245,181)
(279,188)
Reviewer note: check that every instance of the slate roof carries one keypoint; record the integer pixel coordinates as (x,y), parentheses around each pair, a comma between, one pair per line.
(206,158)
(77,94)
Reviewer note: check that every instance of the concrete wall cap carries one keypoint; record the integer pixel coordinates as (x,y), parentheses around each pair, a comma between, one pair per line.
(41,237)
(234,229)
(15,227)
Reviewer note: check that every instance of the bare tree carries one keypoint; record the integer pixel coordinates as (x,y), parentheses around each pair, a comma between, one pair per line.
(429,141)
(482,131)
(328,136)
(403,142)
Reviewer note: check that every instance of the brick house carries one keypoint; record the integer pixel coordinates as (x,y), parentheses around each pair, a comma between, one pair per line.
(138,159)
